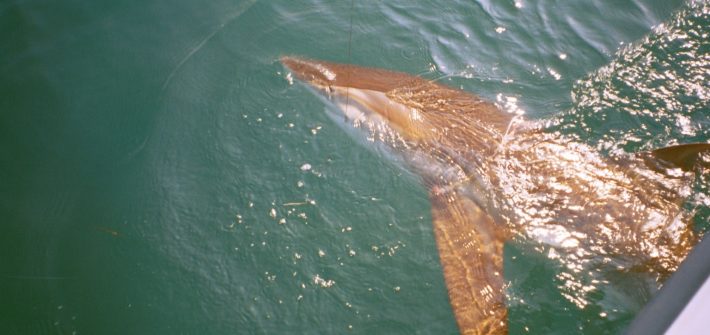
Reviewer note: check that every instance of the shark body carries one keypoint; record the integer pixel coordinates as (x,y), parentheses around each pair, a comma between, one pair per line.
(493,176)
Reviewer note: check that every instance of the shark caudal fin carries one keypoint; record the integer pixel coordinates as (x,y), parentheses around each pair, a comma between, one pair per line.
(471,253)
(683,156)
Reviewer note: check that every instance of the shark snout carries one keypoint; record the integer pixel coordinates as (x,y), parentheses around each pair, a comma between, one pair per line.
(312,72)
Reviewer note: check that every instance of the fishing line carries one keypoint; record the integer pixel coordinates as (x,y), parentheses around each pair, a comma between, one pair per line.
(350,42)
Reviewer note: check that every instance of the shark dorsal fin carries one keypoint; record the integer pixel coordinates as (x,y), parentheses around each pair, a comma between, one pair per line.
(683,156)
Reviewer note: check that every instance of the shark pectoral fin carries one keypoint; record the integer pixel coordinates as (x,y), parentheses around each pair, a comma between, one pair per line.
(471,253)
(682,156)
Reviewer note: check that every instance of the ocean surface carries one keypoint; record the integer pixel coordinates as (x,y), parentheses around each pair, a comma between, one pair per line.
(160,173)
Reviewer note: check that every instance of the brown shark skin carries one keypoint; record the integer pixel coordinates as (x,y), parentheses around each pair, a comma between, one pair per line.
(493,176)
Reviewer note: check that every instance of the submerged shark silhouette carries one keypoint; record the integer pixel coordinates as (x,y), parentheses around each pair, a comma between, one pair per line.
(493,176)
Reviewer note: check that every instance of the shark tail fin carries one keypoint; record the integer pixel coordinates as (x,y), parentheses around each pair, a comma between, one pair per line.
(683,156)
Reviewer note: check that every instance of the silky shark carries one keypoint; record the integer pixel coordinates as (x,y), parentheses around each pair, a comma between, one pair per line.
(493,176)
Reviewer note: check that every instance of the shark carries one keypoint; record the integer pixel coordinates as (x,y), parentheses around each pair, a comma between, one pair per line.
(493,176)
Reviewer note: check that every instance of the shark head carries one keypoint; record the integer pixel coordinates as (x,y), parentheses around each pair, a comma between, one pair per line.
(366,99)
(438,132)
(402,110)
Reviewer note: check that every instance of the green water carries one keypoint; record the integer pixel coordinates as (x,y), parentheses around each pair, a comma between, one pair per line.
(144,145)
